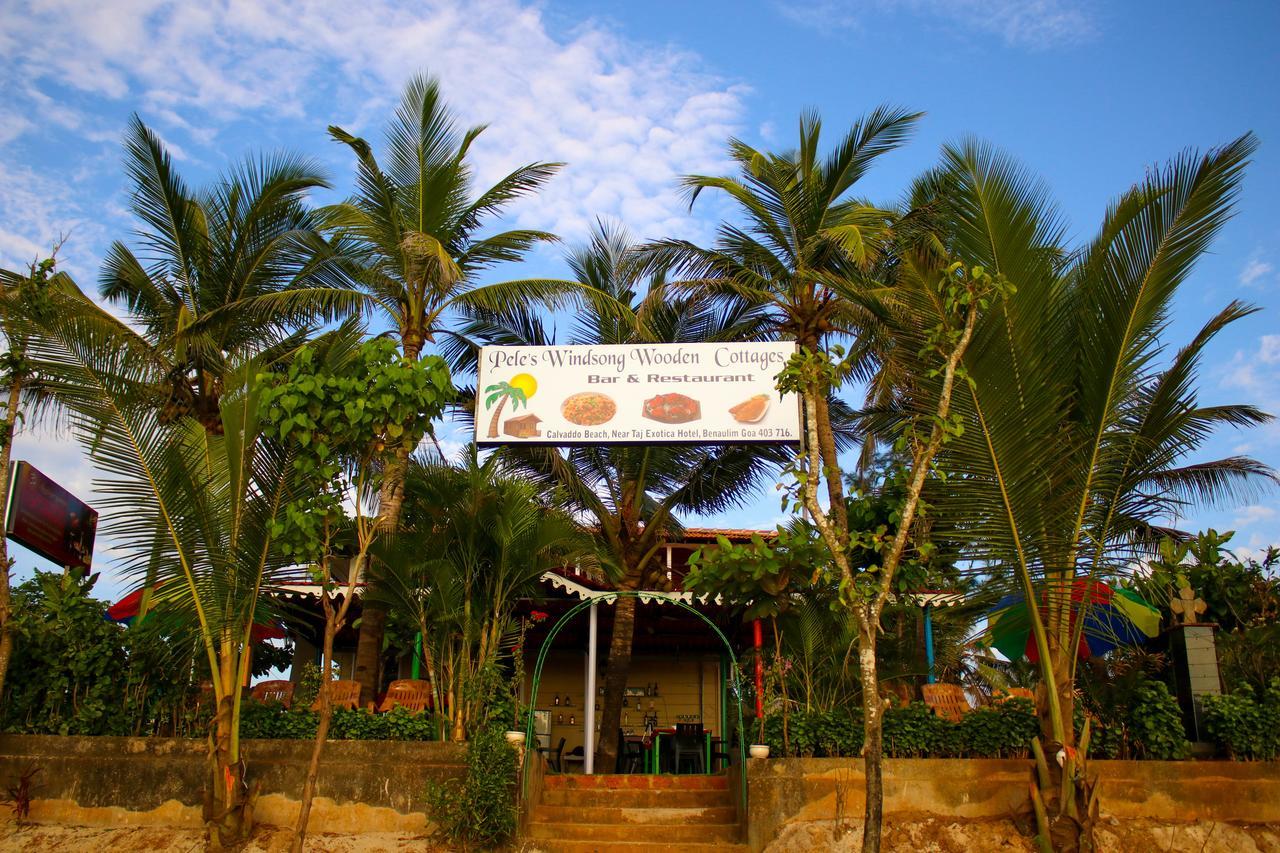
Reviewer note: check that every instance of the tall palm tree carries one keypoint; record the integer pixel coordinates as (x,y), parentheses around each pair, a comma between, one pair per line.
(1078,423)
(236,269)
(411,240)
(633,495)
(192,508)
(806,240)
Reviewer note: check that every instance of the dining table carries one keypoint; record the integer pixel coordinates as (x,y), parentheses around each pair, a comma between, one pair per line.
(653,749)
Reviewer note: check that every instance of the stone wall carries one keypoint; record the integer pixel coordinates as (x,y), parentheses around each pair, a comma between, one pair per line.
(809,790)
(114,781)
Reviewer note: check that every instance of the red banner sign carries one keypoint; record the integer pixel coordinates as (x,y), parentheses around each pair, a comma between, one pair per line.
(49,520)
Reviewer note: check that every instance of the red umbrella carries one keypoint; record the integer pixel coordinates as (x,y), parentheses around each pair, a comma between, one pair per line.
(127,609)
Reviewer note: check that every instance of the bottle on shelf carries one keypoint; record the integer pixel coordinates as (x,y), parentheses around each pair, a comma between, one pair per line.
(556,700)
(559,719)
(568,700)
(572,720)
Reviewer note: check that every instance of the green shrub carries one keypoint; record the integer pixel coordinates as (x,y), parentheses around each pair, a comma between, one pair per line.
(398,724)
(272,721)
(912,732)
(1245,727)
(478,810)
(1155,724)
(999,731)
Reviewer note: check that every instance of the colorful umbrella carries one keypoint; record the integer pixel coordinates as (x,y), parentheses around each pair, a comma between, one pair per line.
(1112,617)
(126,610)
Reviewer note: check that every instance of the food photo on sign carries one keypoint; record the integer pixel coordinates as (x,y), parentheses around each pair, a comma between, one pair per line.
(635,394)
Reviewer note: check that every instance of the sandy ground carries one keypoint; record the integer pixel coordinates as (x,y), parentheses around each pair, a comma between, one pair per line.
(942,836)
(266,840)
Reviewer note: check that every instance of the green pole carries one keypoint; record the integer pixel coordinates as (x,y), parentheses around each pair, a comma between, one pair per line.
(928,641)
(417,654)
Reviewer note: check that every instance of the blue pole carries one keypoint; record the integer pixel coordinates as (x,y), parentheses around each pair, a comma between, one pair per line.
(928,641)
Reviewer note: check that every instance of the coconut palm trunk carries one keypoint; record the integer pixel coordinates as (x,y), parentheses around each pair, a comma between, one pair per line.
(617,671)
(9,427)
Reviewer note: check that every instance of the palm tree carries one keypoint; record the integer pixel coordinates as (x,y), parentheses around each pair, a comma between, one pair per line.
(1076,437)
(805,256)
(410,239)
(806,243)
(474,542)
(234,270)
(195,507)
(633,495)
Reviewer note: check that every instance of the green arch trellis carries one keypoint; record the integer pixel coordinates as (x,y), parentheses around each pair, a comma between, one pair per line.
(613,597)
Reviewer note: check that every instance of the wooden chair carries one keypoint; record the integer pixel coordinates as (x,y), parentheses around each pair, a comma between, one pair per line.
(947,700)
(342,694)
(553,755)
(273,691)
(413,694)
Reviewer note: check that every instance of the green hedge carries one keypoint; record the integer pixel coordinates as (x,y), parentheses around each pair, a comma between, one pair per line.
(998,731)
(1245,725)
(271,720)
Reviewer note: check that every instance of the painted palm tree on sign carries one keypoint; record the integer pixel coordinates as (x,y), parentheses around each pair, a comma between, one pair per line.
(518,391)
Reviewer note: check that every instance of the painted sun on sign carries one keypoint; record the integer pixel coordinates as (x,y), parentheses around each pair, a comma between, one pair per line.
(521,387)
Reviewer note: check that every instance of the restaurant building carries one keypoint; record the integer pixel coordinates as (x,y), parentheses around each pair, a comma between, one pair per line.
(680,671)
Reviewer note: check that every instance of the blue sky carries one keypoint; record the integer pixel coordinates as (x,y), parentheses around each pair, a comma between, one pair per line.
(1087,94)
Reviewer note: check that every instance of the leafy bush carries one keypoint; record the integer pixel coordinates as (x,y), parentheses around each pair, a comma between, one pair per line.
(1244,726)
(910,732)
(69,662)
(1134,715)
(75,672)
(272,721)
(999,731)
(1155,724)
(479,810)
(1249,656)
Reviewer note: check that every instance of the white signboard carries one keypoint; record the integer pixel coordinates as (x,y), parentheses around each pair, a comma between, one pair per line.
(642,394)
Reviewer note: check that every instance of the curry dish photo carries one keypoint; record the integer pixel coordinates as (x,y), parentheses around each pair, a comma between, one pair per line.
(589,408)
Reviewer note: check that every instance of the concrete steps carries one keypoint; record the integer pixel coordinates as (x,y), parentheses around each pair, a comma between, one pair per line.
(690,814)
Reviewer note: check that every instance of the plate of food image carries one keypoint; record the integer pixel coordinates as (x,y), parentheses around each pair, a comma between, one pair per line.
(672,409)
(589,408)
(752,410)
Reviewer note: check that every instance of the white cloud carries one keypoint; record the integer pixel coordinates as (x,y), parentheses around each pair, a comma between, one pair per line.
(1035,24)
(1269,349)
(35,212)
(1254,270)
(1250,515)
(626,117)
(1257,374)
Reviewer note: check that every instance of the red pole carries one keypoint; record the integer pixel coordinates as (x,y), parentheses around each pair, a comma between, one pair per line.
(759,639)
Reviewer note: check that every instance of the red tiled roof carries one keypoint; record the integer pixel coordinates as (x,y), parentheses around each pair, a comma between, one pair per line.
(728,533)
